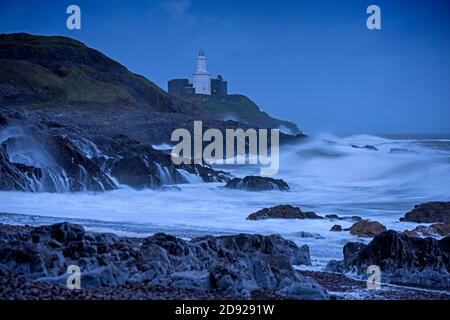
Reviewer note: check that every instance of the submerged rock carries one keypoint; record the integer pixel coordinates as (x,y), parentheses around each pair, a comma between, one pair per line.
(256,183)
(368,147)
(336,227)
(336,217)
(284,211)
(232,266)
(429,212)
(366,228)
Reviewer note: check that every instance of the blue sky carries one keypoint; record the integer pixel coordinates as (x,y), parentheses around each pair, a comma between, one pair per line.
(311,62)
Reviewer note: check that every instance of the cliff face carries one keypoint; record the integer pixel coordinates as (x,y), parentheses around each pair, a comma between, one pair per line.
(59,72)
(238,107)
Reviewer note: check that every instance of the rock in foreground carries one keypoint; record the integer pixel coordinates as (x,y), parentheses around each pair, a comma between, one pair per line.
(256,183)
(429,212)
(225,266)
(283,211)
(402,259)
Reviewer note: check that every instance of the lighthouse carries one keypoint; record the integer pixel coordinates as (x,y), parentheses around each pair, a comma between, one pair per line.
(201,79)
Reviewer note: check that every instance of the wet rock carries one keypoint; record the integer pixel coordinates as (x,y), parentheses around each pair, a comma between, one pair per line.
(403,259)
(434,230)
(282,212)
(61,232)
(429,212)
(368,147)
(336,217)
(232,266)
(256,183)
(44,155)
(366,228)
(336,227)
(134,172)
(334,266)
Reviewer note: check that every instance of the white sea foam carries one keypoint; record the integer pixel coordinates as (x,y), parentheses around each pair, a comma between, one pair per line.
(326,174)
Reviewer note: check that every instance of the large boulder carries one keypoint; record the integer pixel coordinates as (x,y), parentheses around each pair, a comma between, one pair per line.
(401,259)
(232,266)
(283,211)
(366,228)
(429,212)
(256,183)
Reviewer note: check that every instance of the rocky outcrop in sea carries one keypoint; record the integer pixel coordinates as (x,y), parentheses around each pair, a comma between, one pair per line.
(38,153)
(423,262)
(283,211)
(256,183)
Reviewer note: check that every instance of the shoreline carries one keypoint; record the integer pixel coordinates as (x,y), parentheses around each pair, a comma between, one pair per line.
(339,286)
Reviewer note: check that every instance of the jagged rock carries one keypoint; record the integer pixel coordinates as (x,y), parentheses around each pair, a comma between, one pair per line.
(61,232)
(40,154)
(437,229)
(256,183)
(336,227)
(283,211)
(403,259)
(366,228)
(336,217)
(368,147)
(233,266)
(135,173)
(429,212)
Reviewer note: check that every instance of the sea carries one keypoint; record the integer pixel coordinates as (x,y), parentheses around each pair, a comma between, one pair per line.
(327,174)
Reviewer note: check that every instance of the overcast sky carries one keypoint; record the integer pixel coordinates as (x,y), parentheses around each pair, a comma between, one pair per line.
(311,62)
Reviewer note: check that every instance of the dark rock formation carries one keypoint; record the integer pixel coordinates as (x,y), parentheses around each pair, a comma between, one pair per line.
(434,230)
(256,183)
(402,259)
(366,228)
(367,147)
(336,217)
(41,154)
(283,211)
(429,212)
(336,227)
(232,266)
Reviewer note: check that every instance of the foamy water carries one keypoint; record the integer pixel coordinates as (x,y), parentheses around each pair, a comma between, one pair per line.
(326,175)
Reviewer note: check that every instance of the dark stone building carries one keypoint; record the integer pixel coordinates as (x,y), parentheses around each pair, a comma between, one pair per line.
(180,87)
(219,86)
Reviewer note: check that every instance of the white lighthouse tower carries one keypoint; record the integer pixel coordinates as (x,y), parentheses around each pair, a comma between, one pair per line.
(201,79)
